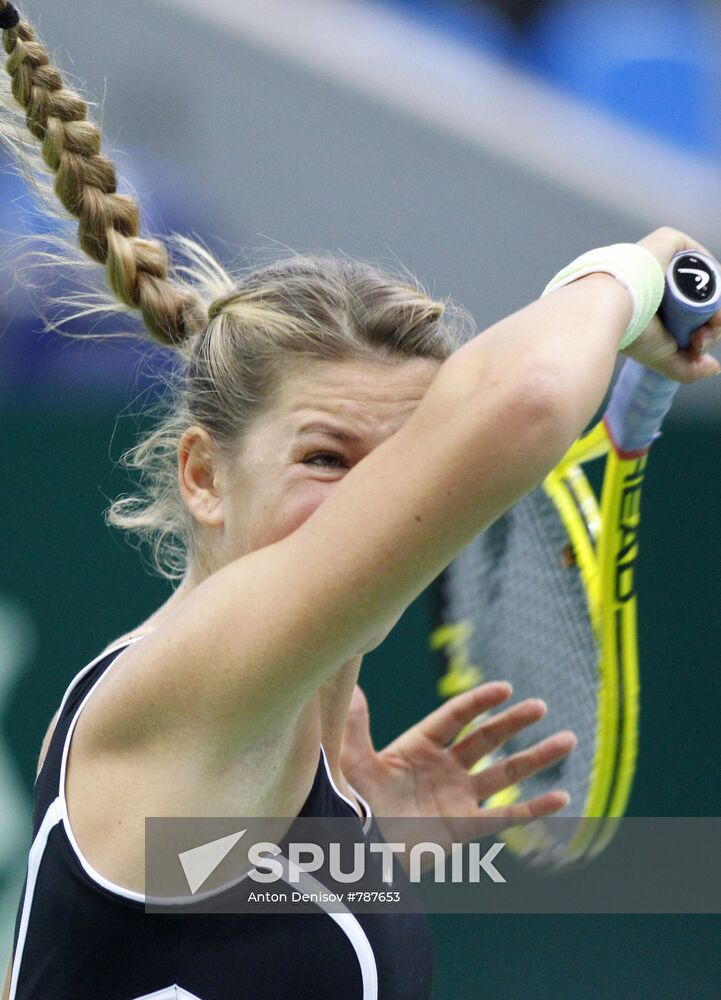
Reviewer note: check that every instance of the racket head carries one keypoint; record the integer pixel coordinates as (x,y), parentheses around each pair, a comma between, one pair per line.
(528,602)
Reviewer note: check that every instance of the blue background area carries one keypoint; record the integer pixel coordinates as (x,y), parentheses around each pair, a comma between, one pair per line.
(651,63)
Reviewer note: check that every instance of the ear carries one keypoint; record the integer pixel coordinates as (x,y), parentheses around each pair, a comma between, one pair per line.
(197,476)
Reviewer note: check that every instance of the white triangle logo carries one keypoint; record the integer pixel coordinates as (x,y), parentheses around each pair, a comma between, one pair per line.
(174,992)
(199,863)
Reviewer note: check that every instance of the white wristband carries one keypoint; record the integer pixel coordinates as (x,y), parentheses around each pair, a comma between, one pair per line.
(635,268)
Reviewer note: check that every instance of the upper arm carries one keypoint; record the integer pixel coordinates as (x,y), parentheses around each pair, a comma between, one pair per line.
(257,637)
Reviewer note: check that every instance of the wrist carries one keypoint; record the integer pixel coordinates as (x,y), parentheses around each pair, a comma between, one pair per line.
(633,268)
(614,293)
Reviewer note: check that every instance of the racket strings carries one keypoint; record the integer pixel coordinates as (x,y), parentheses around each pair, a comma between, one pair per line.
(525,602)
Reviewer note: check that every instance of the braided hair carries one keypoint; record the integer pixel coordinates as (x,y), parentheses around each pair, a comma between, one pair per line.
(235,337)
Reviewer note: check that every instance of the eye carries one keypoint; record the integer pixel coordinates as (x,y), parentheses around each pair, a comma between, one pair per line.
(325,460)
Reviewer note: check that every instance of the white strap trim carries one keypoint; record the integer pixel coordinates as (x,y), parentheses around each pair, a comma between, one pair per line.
(82,673)
(368,814)
(119,890)
(50,819)
(348,923)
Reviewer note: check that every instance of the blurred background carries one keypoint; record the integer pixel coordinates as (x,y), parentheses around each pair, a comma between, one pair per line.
(480,145)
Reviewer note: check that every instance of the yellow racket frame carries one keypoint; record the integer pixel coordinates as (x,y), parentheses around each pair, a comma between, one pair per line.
(605,547)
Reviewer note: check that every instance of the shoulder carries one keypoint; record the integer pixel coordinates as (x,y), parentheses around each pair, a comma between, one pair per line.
(51,728)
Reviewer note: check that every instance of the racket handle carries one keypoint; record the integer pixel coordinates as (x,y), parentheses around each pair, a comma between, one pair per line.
(641,398)
(692,296)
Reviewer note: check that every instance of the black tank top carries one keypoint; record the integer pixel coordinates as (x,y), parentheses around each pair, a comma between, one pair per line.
(80,937)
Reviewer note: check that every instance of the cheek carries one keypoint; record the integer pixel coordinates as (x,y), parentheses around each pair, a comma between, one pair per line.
(300,506)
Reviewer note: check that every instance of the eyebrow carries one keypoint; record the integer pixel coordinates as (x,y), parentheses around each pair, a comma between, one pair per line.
(334,432)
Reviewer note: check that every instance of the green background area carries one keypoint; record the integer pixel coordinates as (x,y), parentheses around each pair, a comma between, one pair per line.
(81,585)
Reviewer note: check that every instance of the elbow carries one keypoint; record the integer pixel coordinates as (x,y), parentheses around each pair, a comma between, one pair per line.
(539,394)
(546,420)
(527,406)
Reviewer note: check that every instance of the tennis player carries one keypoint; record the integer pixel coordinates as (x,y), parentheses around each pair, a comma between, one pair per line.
(335,438)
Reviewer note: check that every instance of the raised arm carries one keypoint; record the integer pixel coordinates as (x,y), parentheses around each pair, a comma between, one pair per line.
(249,644)
(257,637)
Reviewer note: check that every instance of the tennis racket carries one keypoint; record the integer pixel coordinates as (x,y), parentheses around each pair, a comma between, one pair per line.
(546,598)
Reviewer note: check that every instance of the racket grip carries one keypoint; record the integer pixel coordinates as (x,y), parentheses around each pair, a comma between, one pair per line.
(692,295)
(641,398)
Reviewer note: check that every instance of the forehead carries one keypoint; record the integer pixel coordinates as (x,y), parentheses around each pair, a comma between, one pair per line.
(366,395)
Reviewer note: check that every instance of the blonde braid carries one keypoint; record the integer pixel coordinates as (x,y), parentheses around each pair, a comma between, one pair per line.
(86,184)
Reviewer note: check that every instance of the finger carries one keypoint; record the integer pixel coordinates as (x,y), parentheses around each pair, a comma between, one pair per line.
(446,722)
(660,352)
(714,324)
(687,367)
(492,821)
(698,342)
(523,764)
(494,732)
(542,805)
(666,241)
(704,339)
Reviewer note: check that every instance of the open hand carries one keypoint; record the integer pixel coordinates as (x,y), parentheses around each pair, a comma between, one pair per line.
(425,773)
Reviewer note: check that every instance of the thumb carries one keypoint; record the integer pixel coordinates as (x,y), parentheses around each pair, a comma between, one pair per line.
(357,741)
(710,366)
(686,368)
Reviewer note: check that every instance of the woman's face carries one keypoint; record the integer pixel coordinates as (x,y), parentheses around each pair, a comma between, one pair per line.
(327,417)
